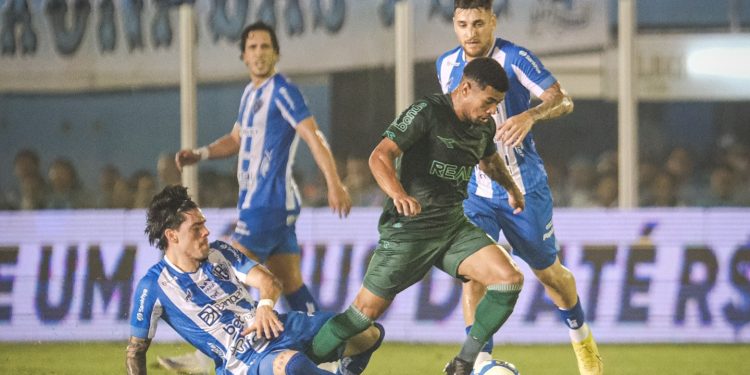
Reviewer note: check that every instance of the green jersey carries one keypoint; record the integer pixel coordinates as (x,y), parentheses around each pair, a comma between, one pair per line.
(439,155)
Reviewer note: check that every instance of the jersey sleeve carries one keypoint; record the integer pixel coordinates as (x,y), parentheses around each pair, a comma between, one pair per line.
(409,127)
(438,70)
(291,104)
(531,72)
(146,308)
(240,263)
(491,147)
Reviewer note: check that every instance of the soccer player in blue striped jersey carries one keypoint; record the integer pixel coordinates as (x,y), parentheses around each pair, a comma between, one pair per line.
(530,233)
(272,115)
(200,290)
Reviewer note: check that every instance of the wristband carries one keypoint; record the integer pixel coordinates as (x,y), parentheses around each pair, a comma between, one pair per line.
(266,302)
(202,152)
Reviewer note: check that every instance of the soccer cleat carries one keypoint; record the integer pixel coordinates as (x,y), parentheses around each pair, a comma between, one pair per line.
(481,358)
(589,360)
(195,363)
(458,366)
(355,365)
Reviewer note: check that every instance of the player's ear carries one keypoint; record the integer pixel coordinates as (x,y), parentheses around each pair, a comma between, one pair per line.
(171,235)
(466,87)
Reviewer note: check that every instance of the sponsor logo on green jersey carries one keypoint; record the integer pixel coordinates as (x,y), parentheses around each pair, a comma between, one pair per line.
(408,117)
(449,142)
(450,171)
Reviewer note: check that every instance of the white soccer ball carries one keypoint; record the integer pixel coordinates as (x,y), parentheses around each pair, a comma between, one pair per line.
(495,367)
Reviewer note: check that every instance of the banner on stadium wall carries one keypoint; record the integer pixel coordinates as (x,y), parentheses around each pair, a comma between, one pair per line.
(643,276)
(104,44)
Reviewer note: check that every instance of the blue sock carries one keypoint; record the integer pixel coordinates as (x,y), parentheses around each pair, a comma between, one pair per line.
(299,364)
(573,318)
(488,346)
(302,300)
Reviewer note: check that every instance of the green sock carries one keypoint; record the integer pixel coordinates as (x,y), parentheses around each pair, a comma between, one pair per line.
(493,310)
(335,332)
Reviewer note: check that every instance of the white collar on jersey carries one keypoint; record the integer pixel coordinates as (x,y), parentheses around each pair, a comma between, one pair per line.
(175,268)
(264,81)
(463,53)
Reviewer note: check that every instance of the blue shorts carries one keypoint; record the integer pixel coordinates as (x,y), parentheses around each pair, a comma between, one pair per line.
(530,233)
(264,243)
(299,330)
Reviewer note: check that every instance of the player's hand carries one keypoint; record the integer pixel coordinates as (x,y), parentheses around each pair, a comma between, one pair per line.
(407,205)
(339,200)
(516,200)
(513,131)
(266,324)
(186,157)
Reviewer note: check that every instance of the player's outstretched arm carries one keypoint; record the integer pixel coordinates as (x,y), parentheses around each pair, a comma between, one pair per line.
(224,147)
(555,103)
(384,170)
(494,167)
(338,196)
(267,323)
(135,355)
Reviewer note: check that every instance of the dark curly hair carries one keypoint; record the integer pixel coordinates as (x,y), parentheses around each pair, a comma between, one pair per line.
(166,212)
(255,27)
(487,71)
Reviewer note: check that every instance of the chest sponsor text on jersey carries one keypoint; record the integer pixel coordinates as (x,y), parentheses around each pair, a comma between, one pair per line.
(450,171)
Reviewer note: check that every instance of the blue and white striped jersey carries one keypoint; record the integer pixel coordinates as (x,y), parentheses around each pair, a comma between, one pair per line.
(267,120)
(526,75)
(208,308)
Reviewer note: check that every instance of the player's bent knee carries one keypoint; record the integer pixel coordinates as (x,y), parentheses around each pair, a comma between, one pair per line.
(555,276)
(515,277)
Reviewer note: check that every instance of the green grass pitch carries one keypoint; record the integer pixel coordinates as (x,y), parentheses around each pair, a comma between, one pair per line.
(406,359)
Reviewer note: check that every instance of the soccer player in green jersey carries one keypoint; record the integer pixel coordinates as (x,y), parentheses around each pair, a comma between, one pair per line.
(423,164)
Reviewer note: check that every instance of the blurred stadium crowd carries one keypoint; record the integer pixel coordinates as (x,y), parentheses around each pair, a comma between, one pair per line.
(58,186)
(679,180)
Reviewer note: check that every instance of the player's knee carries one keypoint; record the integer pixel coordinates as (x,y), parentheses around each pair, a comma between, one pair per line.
(556,276)
(514,277)
(473,288)
(369,304)
(506,277)
(565,280)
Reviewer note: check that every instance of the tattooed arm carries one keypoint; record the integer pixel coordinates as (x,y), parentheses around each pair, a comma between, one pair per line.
(135,358)
(555,103)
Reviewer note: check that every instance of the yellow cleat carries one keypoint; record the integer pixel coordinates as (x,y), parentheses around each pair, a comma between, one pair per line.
(589,360)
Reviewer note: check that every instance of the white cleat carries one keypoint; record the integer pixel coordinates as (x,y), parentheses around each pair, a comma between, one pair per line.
(195,363)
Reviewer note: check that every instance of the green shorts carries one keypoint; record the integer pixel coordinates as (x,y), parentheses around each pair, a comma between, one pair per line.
(403,259)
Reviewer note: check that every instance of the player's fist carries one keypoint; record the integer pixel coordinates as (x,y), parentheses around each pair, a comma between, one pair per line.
(516,200)
(407,205)
(186,157)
